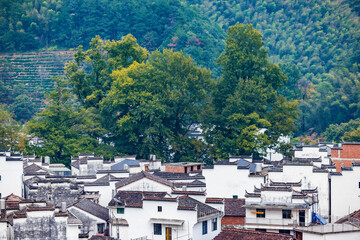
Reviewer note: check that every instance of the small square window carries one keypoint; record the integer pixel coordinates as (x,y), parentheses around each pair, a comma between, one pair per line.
(235,196)
(204,227)
(359,182)
(214,224)
(121,210)
(260,213)
(159,208)
(286,213)
(157,229)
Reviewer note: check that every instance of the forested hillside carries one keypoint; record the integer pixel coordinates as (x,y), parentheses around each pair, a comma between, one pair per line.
(316,43)
(33,24)
(318,38)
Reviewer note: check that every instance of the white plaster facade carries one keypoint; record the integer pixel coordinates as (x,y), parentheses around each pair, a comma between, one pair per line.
(226,181)
(309,179)
(345,193)
(11,175)
(183,224)
(146,184)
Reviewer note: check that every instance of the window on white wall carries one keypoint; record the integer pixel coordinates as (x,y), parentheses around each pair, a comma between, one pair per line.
(204,227)
(286,213)
(121,210)
(157,229)
(159,208)
(260,213)
(214,224)
(101,227)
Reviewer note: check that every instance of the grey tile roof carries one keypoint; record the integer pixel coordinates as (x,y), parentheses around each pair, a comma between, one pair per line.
(188,203)
(178,176)
(241,163)
(141,175)
(225,162)
(236,234)
(76,164)
(234,207)
(195,183)
(34,169)
(92,208)
(72,219)
(121,165)
(133,198)
(297,184)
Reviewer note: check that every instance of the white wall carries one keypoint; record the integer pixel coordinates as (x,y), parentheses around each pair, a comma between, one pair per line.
(146,184)
(11,173)
(227,180)
(105,192)
(141,226)
(345,192)
(332,236)
(310,180)
(72,231)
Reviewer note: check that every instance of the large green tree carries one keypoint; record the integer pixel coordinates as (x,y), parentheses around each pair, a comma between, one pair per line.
(90,73)
(10,131)
(152,106)
(65,128)
(246,99)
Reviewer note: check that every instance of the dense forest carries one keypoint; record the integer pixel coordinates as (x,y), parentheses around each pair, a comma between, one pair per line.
(315,44)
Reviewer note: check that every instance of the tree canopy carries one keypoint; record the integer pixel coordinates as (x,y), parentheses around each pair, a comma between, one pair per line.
(246,99)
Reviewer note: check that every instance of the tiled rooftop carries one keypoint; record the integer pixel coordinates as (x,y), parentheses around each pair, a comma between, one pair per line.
(237,234)
(141,175)
(234,207)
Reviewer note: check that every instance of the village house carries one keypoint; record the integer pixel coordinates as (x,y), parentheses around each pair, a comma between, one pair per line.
(311,177)
(93,217)
(238,174)
(163,217)
(281,206)
(34,219)
(53,189)
(11,174)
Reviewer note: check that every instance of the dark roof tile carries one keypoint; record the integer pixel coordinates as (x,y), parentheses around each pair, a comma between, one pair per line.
(236,234)
(141,175)
(234,207)
(92,208)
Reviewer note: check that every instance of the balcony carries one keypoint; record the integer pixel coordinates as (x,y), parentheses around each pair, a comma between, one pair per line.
(271,221)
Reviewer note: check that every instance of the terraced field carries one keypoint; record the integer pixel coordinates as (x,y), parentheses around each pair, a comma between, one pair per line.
(35,70)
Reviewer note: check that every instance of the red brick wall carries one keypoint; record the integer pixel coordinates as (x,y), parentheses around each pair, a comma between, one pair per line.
(334,153)
(351,151)
(229,220)
(174,169)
